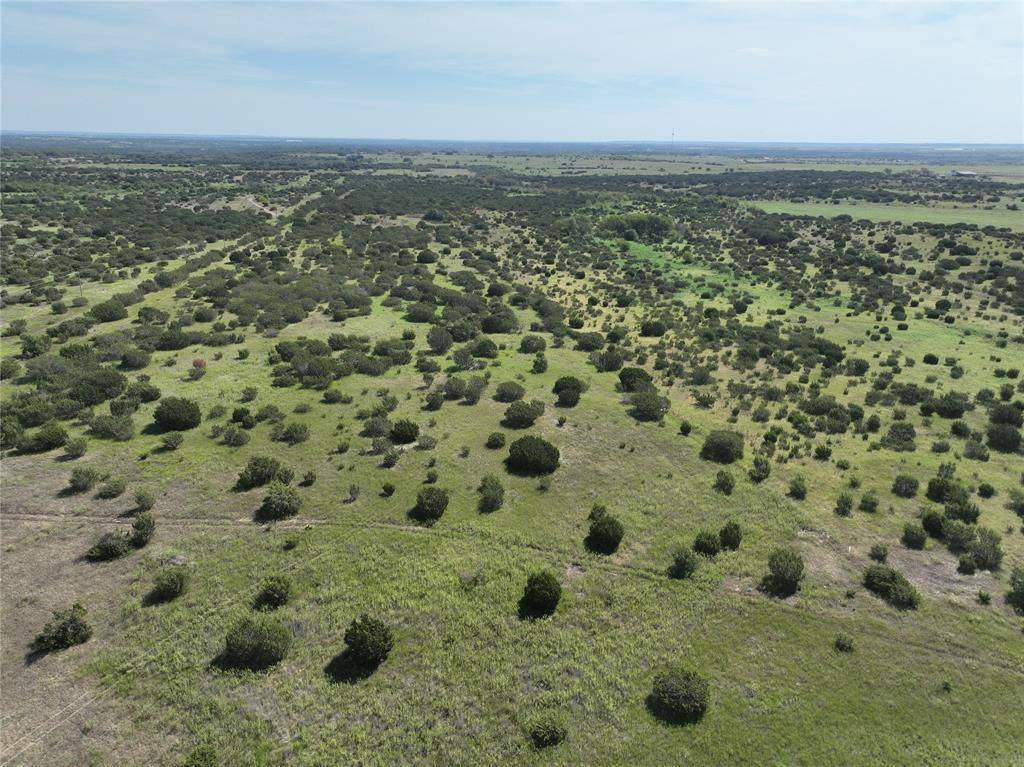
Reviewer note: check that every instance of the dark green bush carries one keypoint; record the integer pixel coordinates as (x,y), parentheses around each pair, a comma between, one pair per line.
(905,486)
(798,488)
(47,437)
(522,415)
(724,482)
(275,592)
(404,432)
(509,391)
(177,414)
(730,536)
(684,563)
(541,595)
(707,543)
(679,696)
(170,582)
(83,478)
(65,629)
(722,447)
(109,546)
(843,643)
(256,642)
(605,534)
(546,731)
(495,440)
(143,527)
(532,455)
(891,586)
(785,571)
(112,488)
(431,503)
(879,552)
(280,501)
(914,536)
(369,640)
(492,494)
(258,471)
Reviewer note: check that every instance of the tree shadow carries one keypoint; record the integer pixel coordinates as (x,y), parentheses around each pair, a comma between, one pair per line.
(773,587)
(156,597)
(669,716)
(531,612)
(597,546)
(345,669)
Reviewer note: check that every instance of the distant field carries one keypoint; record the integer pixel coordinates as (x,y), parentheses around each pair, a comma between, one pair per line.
(904,213)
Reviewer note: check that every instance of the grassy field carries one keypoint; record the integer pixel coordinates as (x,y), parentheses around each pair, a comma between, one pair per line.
(938,685)
(899,212)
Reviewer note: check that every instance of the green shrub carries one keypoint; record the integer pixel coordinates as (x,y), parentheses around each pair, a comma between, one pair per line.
(75,448)
(785,571)
(522,415)
(83,478)
(730,536)
(258,471)
(761,469)
(495,440)
(879,552)
(647,405)
(905,486)
(369,640)
(47,437)
(541,595)
(724,482)
(891,586)
(684,563)
(798,488)
(431,503)
(986,550)
(404,432)
(914,536)
(492,494)
(65,629)
(546,731)
(869,502)
(177,414)
(844,505)
(275,592)
(256,642)
(722,447)
(532,455)
(109,546)
(280,501)
(605,534)
(170,582)
(143,527)
(113,487)
(707,543)
(843,644)
(933,523)
(1015,596)
(171,441)
(509,391)
(966,565)
(568,389)
(679,696)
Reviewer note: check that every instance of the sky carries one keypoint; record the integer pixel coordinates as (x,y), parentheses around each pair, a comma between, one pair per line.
(721,71)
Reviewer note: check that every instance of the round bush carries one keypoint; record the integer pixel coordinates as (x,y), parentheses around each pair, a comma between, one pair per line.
(509,391)
(256,642)
(684,563)
(914,536)
(722,447)
(706,543)
(177,414)
(170,583)
(541,595)
(678,696)
(533,455)
(275,592)
(905,486)
(495,440)
(546,731)
(404,432)
(280,501)
(843,643)
(605,534)
(430,504)
(369,640)
(109,546)
(730,536)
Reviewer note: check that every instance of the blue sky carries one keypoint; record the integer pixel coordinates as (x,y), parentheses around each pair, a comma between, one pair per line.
(807,71)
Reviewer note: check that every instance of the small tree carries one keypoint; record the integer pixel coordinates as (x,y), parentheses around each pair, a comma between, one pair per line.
(730,536)
(533,455)
(275,592)
(706,543)
(170,583)
(684,563)
(404,432)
